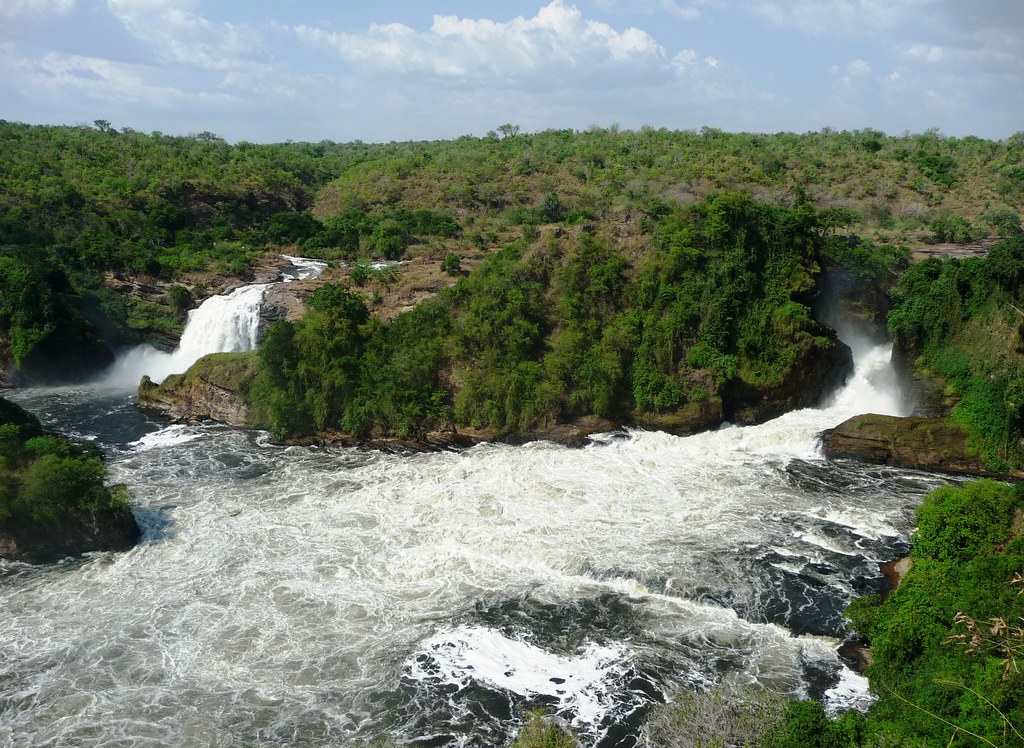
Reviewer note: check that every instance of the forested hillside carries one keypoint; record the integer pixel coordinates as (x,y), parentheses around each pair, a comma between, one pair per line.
(84,209)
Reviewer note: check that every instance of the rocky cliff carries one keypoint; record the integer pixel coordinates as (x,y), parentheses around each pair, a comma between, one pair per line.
(925,443)
(72,533)
(214,389)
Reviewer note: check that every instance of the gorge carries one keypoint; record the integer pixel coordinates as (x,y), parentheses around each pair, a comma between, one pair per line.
(325,596)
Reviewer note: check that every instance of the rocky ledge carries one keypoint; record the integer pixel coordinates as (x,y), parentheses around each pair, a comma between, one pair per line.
(934,444)
(212,390)
(72,533)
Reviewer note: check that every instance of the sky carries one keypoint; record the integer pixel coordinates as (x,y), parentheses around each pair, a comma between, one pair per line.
(312,70)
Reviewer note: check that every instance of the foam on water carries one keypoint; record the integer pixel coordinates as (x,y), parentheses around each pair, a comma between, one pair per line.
(851,692)
(169,436)
(303,268)
(326,596)
(582,683)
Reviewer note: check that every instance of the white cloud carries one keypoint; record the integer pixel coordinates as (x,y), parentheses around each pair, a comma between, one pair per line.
(838,16)
(929,53)
(557,45)
(858,67)
(11,10)
(177,34)
(854,70)
(685,12)
(56,76)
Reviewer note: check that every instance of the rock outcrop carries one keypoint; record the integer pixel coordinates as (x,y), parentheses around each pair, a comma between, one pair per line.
(821,367)
(915,442)
(73,532)
(56,504)
(212,390)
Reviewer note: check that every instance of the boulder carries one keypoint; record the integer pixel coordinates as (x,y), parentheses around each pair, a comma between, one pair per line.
(194,397)
(822,365)
(73,532)
(924,443)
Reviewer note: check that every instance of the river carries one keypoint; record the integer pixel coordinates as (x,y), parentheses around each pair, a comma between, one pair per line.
(335,597)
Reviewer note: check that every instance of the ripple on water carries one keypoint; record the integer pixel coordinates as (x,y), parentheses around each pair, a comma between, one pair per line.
(320,596)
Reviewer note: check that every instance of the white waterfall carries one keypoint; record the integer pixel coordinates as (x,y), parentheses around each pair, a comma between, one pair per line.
(221,324)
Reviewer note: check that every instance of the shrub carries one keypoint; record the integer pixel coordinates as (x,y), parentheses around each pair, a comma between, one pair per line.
(960,523)
(452,265)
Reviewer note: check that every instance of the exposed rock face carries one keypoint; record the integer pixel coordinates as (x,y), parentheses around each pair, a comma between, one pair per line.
(820,369)
(691,419)
(285,301)
(194,398)
(74,532)
(914,442)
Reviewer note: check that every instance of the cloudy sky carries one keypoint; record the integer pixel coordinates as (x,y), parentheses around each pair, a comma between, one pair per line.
(274,70)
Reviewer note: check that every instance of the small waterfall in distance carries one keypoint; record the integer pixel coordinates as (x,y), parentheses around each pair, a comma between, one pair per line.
(220,324)
(228,323)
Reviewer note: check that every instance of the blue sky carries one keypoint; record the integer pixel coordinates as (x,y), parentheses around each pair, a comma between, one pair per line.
(275,70)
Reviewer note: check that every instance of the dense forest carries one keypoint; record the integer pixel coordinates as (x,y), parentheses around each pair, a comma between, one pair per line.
(82,207)
(668,279)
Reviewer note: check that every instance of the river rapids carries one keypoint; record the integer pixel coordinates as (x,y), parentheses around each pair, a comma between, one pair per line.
(336,597)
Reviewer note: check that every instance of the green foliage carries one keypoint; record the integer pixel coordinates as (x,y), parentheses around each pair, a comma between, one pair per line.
(290,227)
(95,200)
(940,168)
(1004,219)
(958,317)
(928,686)
(44,476)
(869,263)
(539,732)
(805,725)
(960,523)
(542,334)
(52,484)
(951,228)
(389,239)
(181,298)
(451,264)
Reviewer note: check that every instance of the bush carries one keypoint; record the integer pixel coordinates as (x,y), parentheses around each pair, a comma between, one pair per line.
(718,718)
(542,732)
(53,484)
(452,265)
(960,523)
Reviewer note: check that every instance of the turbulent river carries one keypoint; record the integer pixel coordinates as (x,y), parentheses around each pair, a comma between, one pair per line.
(327,596)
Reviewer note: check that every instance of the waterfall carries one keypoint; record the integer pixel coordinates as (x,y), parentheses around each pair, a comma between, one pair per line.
(222,324)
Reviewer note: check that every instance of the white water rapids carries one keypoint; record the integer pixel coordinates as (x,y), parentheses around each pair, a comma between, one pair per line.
(326,597)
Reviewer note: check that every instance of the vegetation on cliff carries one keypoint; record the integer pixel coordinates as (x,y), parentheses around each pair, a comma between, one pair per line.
(53,499)
(932,676)
(712,322)
(80,206)
(961,319)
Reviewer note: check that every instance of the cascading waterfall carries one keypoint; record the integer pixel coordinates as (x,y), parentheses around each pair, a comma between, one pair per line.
(221,324)
(333,596)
